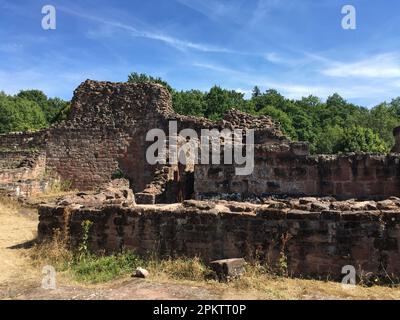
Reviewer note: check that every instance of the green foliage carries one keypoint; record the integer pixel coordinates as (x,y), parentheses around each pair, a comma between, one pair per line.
(63,113)
(28,110)
(330,127)
(282,117)
(118,174)
(95,268)
(20,114)
(328,139)
(50,106)
(358,138)
(219,100)
(84,245)
(101,268)
(135,77)
(189,102)
(383,118)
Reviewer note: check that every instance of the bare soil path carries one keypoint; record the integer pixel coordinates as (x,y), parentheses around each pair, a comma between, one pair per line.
(17,229)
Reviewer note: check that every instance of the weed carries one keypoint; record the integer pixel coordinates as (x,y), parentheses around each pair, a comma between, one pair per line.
(94,268)
(283,261)
(83,248)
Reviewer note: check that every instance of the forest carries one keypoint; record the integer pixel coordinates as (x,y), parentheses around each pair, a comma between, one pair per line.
(330,126)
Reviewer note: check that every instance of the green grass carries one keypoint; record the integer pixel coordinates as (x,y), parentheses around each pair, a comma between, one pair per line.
(93,268)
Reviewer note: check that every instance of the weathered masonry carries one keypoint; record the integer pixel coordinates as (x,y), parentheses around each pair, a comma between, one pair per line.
(105,134)
(285,170)
(317,236)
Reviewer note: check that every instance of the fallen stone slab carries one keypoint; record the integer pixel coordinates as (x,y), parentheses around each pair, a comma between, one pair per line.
(141,273)
(228,269)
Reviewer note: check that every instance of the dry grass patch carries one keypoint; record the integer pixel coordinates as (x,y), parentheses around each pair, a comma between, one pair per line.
(188,269)
(52,252)
(17,230)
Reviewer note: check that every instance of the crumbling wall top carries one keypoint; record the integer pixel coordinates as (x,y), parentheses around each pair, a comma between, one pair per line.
(97,103)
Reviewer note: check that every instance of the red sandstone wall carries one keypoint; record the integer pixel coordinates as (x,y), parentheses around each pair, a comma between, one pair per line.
(283,171)
(106,130)
(23,140)
(320,243)
(22,172)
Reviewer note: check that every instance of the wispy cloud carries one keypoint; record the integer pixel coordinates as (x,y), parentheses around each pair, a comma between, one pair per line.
(301,58)
(264,8)
(215,10)
(381,66)
(297,90)
(279,59)
(152,35)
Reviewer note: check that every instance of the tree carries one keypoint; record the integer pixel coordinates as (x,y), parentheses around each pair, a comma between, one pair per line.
(218,101)
(332,126)
(63,113)
(335,101)
(283,119)
(361,139)
(382,120)
(270,98)
(328,139)
(20,114)
(189,102)
(135,77)
(256,92)
(50,107)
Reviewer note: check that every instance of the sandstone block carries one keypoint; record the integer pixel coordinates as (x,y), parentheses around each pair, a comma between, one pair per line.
(141,273)
(228,269)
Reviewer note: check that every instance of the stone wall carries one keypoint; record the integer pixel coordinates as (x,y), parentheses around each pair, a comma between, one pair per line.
(22,173)
(316,242)
(287,169)
(23,140)
(106,133)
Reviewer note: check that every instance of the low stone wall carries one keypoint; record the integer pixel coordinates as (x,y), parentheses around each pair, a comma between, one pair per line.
(316,243)
(284,170)
(22,172)
(23,140)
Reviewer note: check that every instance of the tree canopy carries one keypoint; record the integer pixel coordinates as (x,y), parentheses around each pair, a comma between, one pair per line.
(28,110)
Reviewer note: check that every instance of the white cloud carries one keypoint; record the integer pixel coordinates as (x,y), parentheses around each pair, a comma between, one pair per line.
(298,90)
(380,66)
(276,58)
(153,35)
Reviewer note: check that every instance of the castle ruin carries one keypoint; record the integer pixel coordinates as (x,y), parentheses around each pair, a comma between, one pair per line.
(321,211)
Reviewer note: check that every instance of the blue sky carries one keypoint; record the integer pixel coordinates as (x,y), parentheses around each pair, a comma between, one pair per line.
(297,47)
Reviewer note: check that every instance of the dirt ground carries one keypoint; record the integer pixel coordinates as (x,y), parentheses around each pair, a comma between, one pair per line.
(19,279)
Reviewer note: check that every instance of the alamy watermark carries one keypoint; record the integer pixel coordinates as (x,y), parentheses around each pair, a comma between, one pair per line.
(349,280)
(49,278)
(188,148)
(349,21)
(49,21)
